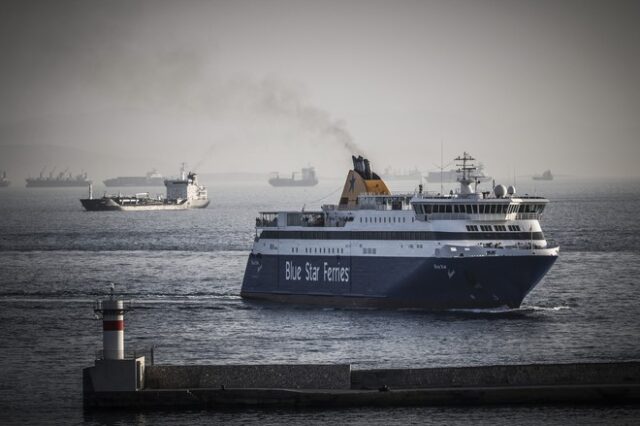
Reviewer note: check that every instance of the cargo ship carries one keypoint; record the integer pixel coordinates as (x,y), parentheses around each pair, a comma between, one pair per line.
(4,182)
(61,180)
(152,178)
(470,249)
(452,175)
(182,194)
(414,175)
(546,175)
(307,178)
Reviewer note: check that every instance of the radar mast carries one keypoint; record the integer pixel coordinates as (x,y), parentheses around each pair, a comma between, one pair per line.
(466,178)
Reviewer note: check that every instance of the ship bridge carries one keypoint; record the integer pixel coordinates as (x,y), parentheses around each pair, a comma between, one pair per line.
(470,204)
(479,209)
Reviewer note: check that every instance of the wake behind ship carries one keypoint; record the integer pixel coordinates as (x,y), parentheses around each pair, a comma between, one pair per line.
(465,250)
(183,193)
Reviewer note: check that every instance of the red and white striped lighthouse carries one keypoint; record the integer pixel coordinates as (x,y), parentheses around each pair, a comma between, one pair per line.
(112,311)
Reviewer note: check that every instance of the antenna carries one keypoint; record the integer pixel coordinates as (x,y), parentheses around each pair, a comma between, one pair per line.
(466,170)
(442,167)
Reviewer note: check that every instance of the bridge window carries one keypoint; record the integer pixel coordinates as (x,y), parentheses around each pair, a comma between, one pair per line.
(485,228)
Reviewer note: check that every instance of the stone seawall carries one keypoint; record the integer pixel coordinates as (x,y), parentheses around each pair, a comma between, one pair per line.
(292,376)
(224,386)
(498,375)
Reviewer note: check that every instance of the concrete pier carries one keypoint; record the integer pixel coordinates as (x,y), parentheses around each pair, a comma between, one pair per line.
(210,386)
(118,381)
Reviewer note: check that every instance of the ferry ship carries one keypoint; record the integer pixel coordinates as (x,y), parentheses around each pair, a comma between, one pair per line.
(463,250)
(307,178)
(182,193)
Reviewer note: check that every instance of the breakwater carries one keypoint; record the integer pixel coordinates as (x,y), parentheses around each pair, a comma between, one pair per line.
(291,385)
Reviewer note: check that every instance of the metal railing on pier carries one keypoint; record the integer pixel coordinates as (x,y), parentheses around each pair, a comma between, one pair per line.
(147,352)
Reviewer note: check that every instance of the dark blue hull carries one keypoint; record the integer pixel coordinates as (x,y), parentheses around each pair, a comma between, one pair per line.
(395,282)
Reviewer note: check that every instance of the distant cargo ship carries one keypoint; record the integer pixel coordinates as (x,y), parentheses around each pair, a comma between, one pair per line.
(152,178)
(183,193)
(414,174)
(4,181)
(544,176)
(62,180)
(454,175)
(308,178)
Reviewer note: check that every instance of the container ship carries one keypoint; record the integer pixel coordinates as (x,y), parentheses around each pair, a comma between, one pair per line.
(466,250)
(546,175)
(182,193)
(307,178)
(152,178)
(61,180)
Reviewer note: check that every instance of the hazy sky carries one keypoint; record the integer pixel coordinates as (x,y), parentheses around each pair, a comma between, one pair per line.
(276,85)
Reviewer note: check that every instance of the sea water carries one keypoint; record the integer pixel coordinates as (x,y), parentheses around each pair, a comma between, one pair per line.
(182,272)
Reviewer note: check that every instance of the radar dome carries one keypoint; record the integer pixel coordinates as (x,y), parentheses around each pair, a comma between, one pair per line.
(511,190)
(500,191)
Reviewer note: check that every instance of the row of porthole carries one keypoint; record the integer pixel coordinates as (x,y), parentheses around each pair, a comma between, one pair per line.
(321,250)
(489,228)
(383,220)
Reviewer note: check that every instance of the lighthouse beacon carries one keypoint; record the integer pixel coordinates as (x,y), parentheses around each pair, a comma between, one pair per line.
(113,369)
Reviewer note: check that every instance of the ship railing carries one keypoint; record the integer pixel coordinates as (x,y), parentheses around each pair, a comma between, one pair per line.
(266,223)
(384,207)
(528,216)
(309,219)
(551,243)
(471,216)
(147,352)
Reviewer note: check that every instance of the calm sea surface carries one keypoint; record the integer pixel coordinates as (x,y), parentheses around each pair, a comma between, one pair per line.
(183,271)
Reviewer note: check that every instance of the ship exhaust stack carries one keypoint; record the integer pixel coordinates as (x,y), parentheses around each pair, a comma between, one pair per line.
(358,164)
(367,169)
(361,180)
